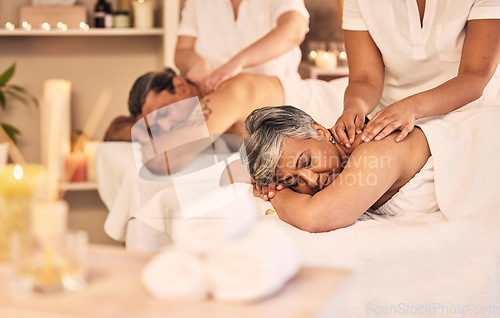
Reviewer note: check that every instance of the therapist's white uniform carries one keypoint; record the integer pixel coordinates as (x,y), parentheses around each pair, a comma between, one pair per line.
(419,58)
(219,37)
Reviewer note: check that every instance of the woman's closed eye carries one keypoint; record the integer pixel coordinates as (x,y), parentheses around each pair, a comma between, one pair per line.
(304,161)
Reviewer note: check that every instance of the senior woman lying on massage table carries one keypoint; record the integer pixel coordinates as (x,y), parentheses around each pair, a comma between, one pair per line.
(324,185)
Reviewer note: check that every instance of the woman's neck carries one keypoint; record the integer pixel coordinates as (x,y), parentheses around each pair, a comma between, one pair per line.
(346,152)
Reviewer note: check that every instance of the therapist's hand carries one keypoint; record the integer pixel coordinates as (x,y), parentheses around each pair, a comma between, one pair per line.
(229,70)
(398,116)
(199,71)
(347,126)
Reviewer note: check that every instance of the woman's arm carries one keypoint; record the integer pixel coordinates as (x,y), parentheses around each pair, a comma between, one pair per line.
(189,62)
(366,81)
(480,57)
(289,32)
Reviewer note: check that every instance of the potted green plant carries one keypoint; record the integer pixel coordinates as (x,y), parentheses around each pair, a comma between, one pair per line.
(16,92)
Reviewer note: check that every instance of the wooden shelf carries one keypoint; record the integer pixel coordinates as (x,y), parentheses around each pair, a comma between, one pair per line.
(79,186)
(90,32)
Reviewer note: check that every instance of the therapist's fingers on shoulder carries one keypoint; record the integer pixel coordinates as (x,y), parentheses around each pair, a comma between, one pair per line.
(359,122)
(373,129)
(404,132)
(339,133)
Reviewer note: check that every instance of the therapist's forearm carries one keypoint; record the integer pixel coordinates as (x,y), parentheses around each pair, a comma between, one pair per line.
(280,40)
(448,96)
(185,59)
(361,96)
(479,61)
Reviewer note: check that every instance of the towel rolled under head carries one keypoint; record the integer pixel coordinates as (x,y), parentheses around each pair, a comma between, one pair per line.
(253,266)
(202,233)
(176,275)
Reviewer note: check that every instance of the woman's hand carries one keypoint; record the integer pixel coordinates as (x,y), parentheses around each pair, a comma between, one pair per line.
(199,71)
(351,122)
(398,116)
(229,70)
(268,192)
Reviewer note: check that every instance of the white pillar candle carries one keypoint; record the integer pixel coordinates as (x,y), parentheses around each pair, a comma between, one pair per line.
(143,13)
(325,59)
(55,131)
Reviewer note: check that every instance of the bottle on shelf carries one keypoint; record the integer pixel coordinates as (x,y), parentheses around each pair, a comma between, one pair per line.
(108,17)
(100,14)
(103,14)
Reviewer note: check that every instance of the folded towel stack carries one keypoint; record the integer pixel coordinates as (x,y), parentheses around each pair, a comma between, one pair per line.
(253,266)
(225,253)
(176,275)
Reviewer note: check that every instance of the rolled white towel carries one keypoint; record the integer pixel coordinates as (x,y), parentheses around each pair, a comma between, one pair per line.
(254,266)
(202,233)
(176,275)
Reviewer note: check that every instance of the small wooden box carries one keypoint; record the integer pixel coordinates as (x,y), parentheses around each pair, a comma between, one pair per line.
(70,15)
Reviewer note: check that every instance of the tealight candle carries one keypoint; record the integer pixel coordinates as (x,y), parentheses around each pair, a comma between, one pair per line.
(18,186)
(45,26)
(326,59)
(62,26)
(9,26)
(26,26)
(84,26)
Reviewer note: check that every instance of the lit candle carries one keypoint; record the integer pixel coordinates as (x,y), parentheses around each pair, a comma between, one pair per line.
(9,26)
(143,13)
(326,59)
(18,186)
(76,167)
(62,26)
(45,26)
(84,26)
(26,26)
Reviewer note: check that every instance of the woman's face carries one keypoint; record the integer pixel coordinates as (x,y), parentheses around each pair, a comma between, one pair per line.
(310,165)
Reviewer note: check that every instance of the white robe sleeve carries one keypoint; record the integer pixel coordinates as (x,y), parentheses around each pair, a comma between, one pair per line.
(188,25)
(352,18)
(485,9)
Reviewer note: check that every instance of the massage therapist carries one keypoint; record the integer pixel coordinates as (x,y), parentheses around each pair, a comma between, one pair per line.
(217,39)
(411,59)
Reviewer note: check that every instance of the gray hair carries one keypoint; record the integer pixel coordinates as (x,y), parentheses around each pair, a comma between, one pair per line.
(267,128)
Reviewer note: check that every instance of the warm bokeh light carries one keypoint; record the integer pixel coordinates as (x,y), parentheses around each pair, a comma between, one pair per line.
(18,172)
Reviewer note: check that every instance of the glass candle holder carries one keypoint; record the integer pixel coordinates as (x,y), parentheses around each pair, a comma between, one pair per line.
(60,264)
(19,185)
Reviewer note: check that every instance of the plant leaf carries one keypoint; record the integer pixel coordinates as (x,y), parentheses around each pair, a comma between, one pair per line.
(11,131)
(5,77)
(19,97)
(2,100)
(24,91)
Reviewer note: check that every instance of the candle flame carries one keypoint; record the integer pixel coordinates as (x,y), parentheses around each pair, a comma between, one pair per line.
(326,55)
(313,54)
(18,172)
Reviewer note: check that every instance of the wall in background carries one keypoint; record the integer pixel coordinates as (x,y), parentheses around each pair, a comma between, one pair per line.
(90,63)
(324,23)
